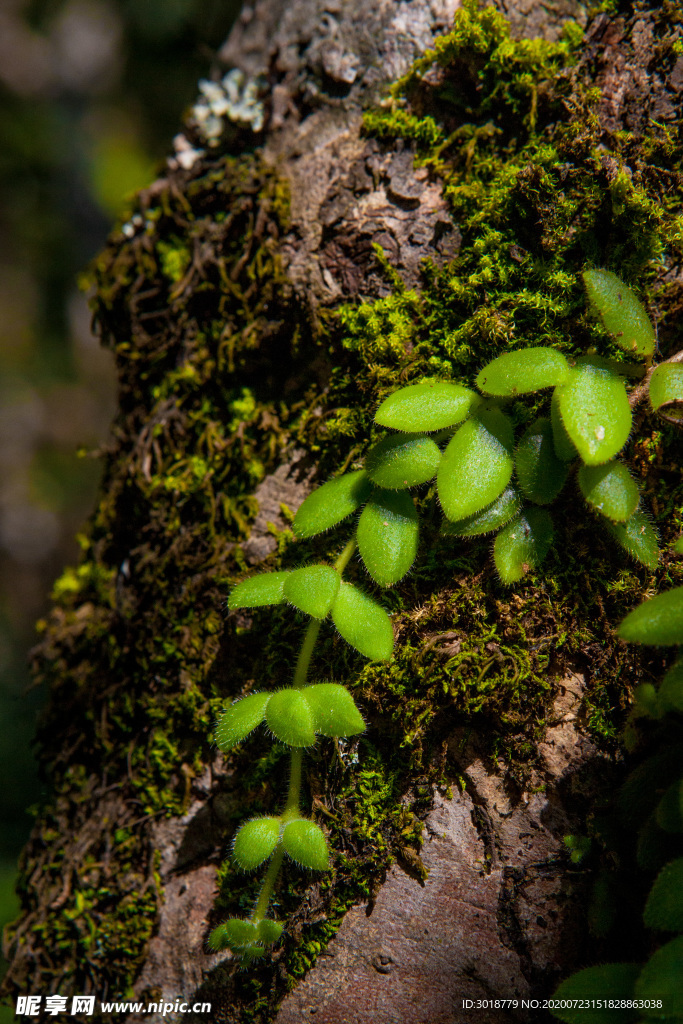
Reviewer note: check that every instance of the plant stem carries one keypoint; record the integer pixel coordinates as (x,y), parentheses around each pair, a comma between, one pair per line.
(292,805)
(261,908)
(292,810)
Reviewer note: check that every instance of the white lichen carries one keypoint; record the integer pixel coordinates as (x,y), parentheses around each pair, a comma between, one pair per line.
(235,98)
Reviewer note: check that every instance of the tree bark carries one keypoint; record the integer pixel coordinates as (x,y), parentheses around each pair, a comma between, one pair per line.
(122,871)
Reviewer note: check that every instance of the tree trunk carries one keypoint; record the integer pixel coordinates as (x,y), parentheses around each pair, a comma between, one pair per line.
(241,386)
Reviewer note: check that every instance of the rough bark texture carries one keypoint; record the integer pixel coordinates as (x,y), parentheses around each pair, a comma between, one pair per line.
(497,913)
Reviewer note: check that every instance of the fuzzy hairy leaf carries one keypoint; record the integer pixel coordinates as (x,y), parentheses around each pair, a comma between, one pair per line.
(255,842)
(669,813)
(622,314)
(519,373)
(402,460)
(638,538)
(565,449)
(664,907)
(670,694)
(312,589)
(331,503)
(428,406)
(305,843)
(523,544)
(666,390)
(268,931)
(595,412)
(491,518)
(605,982)
(290,718)
(234,934)
(540,473)
(387,535)
(655,847)
(638,795)
(662,978)
(334,710)
(658,621)
(610,489)
(266,588)
(477,464)
(240,719)
(363,623)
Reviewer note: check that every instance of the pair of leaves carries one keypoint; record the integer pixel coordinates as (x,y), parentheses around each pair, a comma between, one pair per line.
(301,839)
(318,590)
(388,528)
(293,716)
(245,937)
(311,589)
(659,980)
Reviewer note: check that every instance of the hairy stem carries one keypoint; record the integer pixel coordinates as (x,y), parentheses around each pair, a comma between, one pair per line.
(297,755)
(261,908)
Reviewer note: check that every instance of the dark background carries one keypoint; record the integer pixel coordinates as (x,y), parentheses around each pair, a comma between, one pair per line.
(91,94)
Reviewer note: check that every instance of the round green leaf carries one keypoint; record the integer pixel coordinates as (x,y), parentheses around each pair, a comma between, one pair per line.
(565,449)
(670,694)
(595,412)
(622,314)
(363,623)
(523,544)
(255,842)
(387,535)
(610,490)
(266,588)
(305,843)
(334,710)
(312,589)
(677,546)
(491,518)
(655,847)
(657,621)
(662,978)
(666,390)
(268,931)
(540,473)
(329,504)
(234,934)
(638,538)
(664,907)
(428,406)
(477,464)
(240,719)
(290,718)
(604,982)
(402,460)
(518,373)
(639,793)
(669,812)
(646,702)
